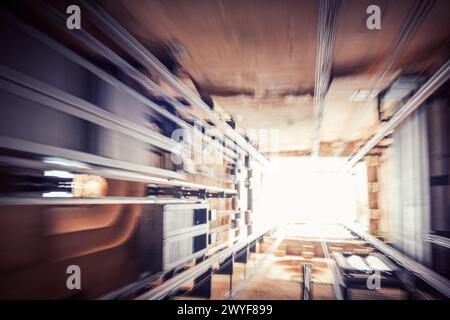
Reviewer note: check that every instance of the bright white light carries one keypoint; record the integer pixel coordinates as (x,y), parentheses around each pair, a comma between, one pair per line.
(58,174)
(57,194)
(310,190)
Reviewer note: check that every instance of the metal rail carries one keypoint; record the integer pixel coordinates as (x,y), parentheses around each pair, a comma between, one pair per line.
(435,280)
(131,288)
(433,83)
(337,279)
(243,284)
(11,201)
(24,86)
(306,286)
(326,35)
(439,240)
(63,153)
(172,285)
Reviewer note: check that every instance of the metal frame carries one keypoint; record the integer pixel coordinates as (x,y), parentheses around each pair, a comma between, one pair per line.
(180,232)
(172,265)
(177,281)
(435,280)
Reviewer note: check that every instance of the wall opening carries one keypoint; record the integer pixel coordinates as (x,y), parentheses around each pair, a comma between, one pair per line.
(308,190)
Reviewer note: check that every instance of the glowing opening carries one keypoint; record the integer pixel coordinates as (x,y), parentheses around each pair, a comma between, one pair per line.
(308,190)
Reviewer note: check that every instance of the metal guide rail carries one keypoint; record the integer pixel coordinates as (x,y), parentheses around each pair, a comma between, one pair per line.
(306,284)
(12,201)
(337,278)
(439,240)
